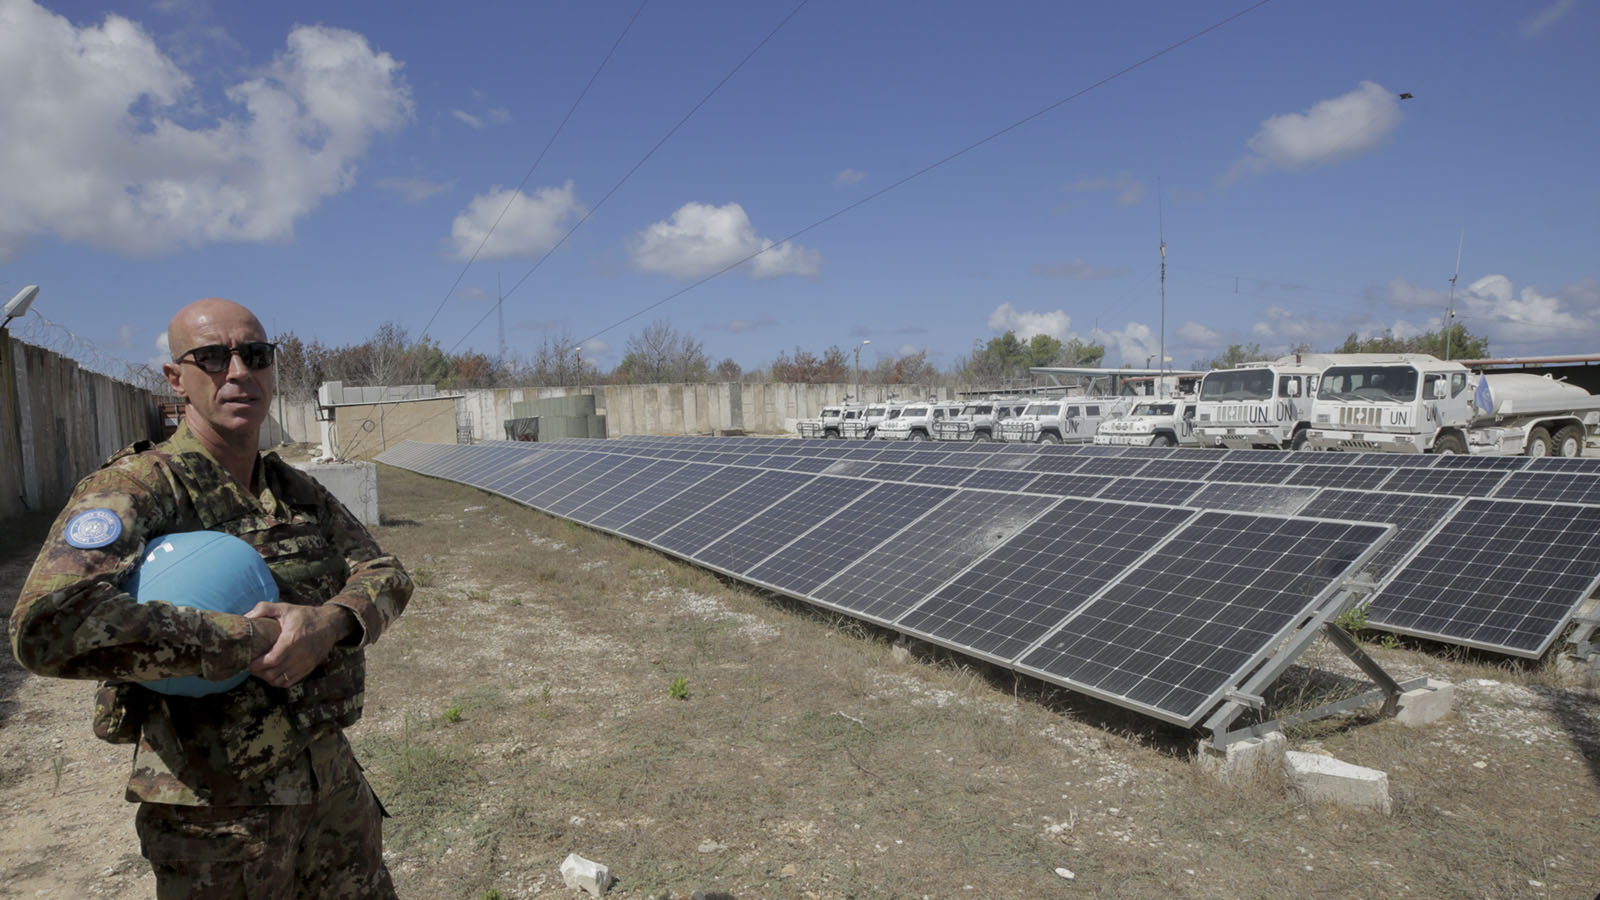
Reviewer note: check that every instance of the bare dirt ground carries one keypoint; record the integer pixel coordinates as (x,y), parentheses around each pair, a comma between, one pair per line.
(552,690)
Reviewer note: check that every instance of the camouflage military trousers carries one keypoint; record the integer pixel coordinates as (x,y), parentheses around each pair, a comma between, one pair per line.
(330,849)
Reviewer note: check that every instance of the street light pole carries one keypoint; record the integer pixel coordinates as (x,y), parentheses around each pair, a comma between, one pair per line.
(858,369)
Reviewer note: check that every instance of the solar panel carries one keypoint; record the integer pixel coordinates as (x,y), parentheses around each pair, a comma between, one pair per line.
(1561,487)
(691,500)
(1460,461)
(1257,498)
(1505,575)
(946,475)
(925,554)
(999,480)
(1252,472)
(1183,626)
(1339,476)
(1415,516)
(722,516)
(850,467)
(651,496)
(1455,482)
(892,471)
(600,466)
(1185,469)
(1115,466)
(1580,464)
(1010,598)
(1054,462)
(741,549)
(1395,460)
(1070,485)
(846,536)
(625,467)
(625,489)
(1151,490)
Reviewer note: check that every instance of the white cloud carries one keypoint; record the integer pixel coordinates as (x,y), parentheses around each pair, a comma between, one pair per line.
(1198,335)
(739,326)
(1280,329)
(415,190)
(1549,16)
(1333,129)
(163,352)
(1076,269)
(1128,190)
(108,162)
(125,333)
(467,117)
(847,177)
(1494,308)
(1132,345)
(1005,317)
(529,226)
(594,348)
(701,240)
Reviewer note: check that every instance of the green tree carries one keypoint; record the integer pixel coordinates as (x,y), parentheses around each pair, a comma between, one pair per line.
(1462,343)
(1233,356)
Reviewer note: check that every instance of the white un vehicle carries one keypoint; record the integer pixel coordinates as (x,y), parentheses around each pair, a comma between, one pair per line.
(978,420)
(1422,404)
(1152,423)
(1265,404)
(916,421)
(1069,420)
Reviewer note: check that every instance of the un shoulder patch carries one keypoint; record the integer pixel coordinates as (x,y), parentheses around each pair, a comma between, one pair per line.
(93,528)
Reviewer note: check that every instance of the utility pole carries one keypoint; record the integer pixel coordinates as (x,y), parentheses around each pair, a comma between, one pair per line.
(858,368)
(1450,307)
(1161,225)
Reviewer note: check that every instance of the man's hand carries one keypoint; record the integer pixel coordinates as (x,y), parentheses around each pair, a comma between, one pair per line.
(304,635)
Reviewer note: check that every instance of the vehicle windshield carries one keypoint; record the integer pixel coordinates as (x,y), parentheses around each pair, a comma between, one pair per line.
(829,412)
(852,414)
(1154,409)
(1237,384)
(915,411)
(973,409)
(1371,383)
(1042,409)
(893,413)
(875,411)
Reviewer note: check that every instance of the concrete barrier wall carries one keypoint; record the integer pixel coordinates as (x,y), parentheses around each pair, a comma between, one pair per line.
(58,422)
(362,431)
(682,408)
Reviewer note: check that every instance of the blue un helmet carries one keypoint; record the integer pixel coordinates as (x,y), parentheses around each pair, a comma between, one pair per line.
(205,570)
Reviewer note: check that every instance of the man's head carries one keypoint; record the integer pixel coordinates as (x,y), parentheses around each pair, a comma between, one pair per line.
(228,405)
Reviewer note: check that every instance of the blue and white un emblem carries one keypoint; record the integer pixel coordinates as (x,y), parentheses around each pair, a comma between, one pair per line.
(93,528)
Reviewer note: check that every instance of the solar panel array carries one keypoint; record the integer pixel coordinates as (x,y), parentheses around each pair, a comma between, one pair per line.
(1153,578)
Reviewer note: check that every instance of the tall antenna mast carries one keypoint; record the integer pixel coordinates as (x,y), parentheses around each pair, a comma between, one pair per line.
(1450,308)
(1161,226)
(500,309)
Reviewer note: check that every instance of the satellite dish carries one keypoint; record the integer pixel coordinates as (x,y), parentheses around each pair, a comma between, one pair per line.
(20,303)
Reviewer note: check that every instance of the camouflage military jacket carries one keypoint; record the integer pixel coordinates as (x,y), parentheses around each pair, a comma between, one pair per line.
(240,747)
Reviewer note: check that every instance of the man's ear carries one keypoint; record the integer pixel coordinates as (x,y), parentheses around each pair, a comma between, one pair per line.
(174,373)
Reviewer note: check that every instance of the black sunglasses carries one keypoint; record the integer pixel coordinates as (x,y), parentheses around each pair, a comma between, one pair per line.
(213,359)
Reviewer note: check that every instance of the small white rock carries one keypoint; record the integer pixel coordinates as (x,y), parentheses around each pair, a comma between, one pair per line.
(1068,874)
(581,874)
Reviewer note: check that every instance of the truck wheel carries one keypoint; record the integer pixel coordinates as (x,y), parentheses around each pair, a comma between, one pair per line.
(1049,437)
(830,434)
(1449,443)
(1300,439)
(1163,440)
(919,435)
(1539,443)
(982,437)
(1569,441)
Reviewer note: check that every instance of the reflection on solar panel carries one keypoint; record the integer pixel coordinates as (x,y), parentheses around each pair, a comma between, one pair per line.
(1339,476)
(1151,490)
(1252,472)
(1455,482)
(847,536)
(1504,575)
(1553,486)
(1070,485)
(999,480)
(1258,498)
(1415,516)
(1014,595)
(1179,629)
(897,575)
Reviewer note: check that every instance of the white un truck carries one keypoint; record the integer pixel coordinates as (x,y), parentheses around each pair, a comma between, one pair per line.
(1260,404)
(1420,404)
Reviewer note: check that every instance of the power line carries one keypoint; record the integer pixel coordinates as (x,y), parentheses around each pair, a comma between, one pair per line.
(540,158)
(936,164)
(642,160)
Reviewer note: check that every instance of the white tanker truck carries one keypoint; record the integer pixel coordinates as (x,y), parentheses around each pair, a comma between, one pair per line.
(1421,404)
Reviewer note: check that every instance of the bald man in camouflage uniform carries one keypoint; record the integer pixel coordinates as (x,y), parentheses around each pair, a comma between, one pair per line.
(253,792)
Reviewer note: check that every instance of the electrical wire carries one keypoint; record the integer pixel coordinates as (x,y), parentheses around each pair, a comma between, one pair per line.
(933,165)
(540,158)
(636,166)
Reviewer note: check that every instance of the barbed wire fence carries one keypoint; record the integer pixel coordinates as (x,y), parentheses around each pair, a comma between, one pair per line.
(33,328)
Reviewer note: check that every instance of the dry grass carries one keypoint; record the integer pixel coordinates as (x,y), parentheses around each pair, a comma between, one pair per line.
(807,762)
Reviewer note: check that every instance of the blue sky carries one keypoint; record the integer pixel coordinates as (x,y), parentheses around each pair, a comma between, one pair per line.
(334,166)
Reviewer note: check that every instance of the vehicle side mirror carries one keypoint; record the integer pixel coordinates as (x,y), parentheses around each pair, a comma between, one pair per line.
(1440,390)
(1292,389)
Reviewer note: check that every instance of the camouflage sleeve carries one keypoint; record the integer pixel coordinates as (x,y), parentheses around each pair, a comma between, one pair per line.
(378,587)
(73,620)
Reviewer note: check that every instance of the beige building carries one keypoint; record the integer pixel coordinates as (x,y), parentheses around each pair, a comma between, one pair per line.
(363,430)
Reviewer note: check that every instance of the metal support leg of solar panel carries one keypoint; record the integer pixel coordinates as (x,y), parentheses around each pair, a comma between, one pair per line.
(1249,696)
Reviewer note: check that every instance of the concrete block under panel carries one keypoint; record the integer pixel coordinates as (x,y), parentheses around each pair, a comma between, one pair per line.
(355,484)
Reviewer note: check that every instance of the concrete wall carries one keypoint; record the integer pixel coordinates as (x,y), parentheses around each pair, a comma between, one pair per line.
(58,422)
(682,408)
(363,431)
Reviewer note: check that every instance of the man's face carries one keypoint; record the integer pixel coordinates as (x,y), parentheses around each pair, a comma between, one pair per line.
(234,402)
